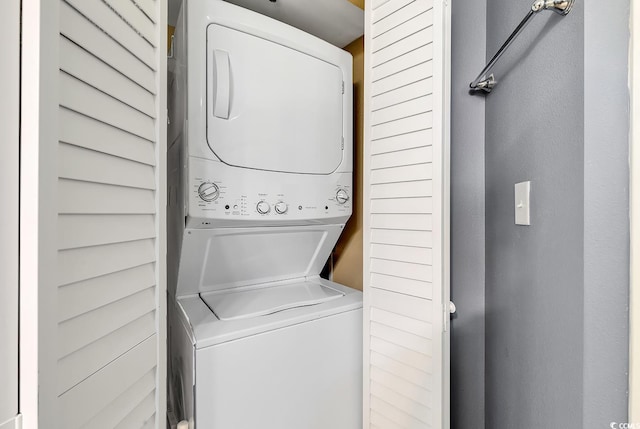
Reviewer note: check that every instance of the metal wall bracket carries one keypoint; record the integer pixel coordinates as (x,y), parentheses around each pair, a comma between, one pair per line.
(486,85)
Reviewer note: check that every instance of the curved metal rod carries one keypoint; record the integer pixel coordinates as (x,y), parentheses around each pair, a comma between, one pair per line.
(486,83)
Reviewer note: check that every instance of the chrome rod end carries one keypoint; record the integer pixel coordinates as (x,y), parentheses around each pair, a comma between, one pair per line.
(562,7)
(485,85)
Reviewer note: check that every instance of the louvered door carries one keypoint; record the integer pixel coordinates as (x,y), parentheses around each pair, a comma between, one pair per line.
(406,308)
(108,278)
(100,310)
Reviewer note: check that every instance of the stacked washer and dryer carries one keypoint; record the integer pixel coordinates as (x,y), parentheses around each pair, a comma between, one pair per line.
(260,186)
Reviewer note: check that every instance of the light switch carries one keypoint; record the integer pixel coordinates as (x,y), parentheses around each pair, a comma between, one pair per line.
(523,206)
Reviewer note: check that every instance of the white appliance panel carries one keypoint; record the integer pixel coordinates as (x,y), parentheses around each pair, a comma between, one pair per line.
(271,107)
(265,382)
(267,300)
(193,73)
(220,259)
(302,198)
(339,22)
(208,330)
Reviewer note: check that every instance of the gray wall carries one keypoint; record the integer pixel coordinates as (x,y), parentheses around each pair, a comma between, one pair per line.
(606,213)
(467,217)
(557,291)
(534,274)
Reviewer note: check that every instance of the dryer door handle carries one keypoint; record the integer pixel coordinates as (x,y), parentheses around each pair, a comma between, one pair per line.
(223,84)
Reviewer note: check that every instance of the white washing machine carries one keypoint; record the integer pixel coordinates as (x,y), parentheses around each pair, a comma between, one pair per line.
(260,188)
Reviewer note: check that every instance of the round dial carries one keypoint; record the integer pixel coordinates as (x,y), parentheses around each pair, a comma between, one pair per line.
(208,191)
(263,207)
(281,207)
(341,196)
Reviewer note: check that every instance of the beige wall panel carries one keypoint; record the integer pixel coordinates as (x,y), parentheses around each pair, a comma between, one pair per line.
(348,253)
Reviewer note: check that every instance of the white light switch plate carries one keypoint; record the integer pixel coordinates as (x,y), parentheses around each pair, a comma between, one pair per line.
(522,203)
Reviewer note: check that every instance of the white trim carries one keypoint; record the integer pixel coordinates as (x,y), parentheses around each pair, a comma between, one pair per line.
(441,198)
(38,212)
(634,298)
(366,216)
(161,216)
(446,210)
(9,186)
(13,423)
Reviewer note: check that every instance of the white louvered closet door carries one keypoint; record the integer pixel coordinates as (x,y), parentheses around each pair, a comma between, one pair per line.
(101,334)
(108,238)
(406,232)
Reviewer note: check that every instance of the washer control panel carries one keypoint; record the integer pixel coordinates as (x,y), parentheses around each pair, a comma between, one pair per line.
(220,192)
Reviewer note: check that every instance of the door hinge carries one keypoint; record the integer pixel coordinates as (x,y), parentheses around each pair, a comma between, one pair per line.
(343,86)
(342,146)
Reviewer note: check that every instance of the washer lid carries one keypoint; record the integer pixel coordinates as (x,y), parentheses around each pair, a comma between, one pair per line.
(207,330)
(268,300)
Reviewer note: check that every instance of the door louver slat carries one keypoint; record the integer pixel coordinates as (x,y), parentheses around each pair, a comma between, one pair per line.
(77,366)
(124,404)
(135,17)
(400,16)
(77,28)
(105,18)
(80,404)
(80,97)
(148,7)
(85,67)
(76,128)
(87,295)
(90,166)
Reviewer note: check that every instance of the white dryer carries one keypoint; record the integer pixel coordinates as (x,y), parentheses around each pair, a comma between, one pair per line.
(260,187)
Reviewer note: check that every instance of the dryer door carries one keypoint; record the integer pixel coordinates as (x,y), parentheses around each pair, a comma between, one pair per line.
(271,107)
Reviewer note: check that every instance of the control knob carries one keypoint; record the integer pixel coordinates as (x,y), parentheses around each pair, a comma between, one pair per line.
(208,191)
(263,207)
(341,196)
(281,207)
